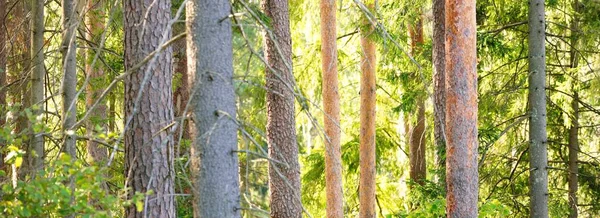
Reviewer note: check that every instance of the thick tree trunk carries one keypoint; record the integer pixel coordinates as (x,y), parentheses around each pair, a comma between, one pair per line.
(69,81)
(538,138)
(573,157)
(439,88)
(418,167)
(95,24)
(331,105)
(214,160)
(149,108)
(367,119)
(284,182)
(461,109)
(36,147)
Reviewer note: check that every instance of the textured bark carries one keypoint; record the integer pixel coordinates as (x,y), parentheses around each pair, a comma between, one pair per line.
(368,65)
(538,137)
(214,160)
(461,109)
(573,156)
(69,80)
(284,182)
(3,54)
(439,88)
(36,147)
(148,145)
(18,66)
(95,23)
(331,106)
(418,167)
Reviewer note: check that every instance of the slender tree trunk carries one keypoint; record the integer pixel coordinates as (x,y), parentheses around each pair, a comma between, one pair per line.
(368,90)
(461,109)
(19,27)
(95,24)
(574,129)
(149,108)
(69,81)
(214,160)
(284,182)
(439,88)
(418,167)
(3,54)
(36,149)
(573,157)
(331,105)
(538,137)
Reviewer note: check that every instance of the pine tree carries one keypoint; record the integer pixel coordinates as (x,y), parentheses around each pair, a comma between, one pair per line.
(461,109)
(367,117)
(284,182)
(331,107)
(149,107)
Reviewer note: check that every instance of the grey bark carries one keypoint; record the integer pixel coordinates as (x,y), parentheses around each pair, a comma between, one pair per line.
(36,149)
(213,152)
(439,97)
(148,145)
(538,138)
(69,81)
(284,182)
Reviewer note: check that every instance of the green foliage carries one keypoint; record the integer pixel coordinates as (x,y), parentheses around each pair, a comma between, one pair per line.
(50,193)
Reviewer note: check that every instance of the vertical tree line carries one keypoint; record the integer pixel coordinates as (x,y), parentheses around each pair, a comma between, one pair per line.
(538,139)
(368,63)
(460,127)
(331,107)
(149,107)
(284,180)
(210,63)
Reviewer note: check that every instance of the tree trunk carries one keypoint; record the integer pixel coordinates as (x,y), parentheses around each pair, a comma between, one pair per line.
(574,129)
(36,147)
(284,182)
(538,173)
(69,81)
(95,24)
(439,88)
(367,119)
(461,109)
(214,160)
(573,157)
(331,105)
(149,108)
(18,66)
(3,54)
(418,167)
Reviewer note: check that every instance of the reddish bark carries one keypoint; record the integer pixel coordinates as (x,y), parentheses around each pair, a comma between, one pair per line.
(331,106)
(368,89)
(461,109)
